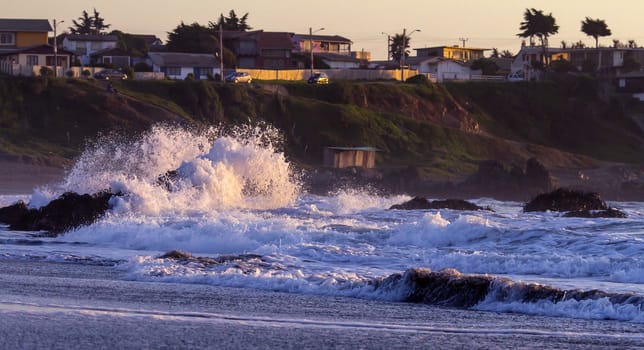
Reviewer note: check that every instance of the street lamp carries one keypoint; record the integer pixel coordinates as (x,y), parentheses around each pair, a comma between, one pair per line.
(311,44)
(388,46)
(402,56)
(56,49)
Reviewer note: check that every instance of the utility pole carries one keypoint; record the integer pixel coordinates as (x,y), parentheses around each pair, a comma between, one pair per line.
(311,49)
(402,55)
(221,53)
(56,50)
(463,40)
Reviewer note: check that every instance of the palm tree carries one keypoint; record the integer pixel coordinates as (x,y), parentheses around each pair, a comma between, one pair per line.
(595,28)
(397,48)
(535,23)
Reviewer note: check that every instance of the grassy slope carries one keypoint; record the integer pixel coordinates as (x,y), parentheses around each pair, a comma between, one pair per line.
(443,129)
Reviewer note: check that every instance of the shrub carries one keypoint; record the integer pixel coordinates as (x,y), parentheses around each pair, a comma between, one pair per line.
(142,67)
(69,73)
(86,73)
(46,72)
(419,79)
(190,76)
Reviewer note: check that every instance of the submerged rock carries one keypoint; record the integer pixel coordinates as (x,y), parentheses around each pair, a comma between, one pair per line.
(608,213)
(563,199)
(64,213)
(187,258)
(422,203)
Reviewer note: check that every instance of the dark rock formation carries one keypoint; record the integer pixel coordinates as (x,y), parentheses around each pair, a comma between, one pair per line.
(451,288)
(423,203)
(245,262)
(563,199)
(493,179)
(608,213)
(67,212)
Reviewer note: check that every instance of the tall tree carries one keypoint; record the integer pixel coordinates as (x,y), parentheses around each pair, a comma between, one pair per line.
(537,24)
(87,24)
(399,46)
(195,38)
(98,23)
(232,22)
(595,28)
(83,25)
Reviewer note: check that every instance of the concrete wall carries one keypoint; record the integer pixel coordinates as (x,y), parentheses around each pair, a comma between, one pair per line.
(339,74)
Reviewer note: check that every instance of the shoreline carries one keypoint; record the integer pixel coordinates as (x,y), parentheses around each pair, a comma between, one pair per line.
(70,305)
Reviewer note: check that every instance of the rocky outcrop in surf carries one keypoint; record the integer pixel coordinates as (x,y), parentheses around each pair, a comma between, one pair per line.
(575,203)
(422,203)
(449,287)
(65,213)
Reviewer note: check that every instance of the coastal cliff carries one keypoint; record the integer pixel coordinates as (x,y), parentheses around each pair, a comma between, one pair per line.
(440,133)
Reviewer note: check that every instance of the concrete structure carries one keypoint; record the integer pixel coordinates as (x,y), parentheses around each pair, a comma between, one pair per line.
(344,157)
(177,65)
(85,45)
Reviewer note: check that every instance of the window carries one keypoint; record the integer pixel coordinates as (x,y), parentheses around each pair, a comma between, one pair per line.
(32,60)
(176,71)
(7,39)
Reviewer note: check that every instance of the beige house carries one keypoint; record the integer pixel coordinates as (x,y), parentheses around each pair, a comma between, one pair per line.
(24,47)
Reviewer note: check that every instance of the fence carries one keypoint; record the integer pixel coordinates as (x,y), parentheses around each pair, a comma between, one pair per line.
(337,74)
(439,78)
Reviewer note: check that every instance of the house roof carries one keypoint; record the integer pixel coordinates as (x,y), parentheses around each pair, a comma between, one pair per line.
(181,59)
(24,25)
(452,47)
(148,38)
(91,37)
(275,40)
(365,148)
(114,51)
(37,50)
(333,38)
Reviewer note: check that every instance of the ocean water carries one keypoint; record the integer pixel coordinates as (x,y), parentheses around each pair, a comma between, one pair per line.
(238,201)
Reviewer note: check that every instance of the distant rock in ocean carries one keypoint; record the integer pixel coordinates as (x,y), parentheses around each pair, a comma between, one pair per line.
(422,203)
(575,203)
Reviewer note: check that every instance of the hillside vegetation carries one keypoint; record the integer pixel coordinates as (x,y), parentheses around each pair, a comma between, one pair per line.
(443,130)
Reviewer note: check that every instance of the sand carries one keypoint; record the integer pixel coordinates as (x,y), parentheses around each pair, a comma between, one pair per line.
(22,178)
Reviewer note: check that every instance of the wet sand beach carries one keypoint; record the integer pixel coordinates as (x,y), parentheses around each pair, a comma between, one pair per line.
(75,306)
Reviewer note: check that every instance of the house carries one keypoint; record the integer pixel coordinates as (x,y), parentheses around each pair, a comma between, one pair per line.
(259,49)
(335,61)
(631,83)
(24,45)
(177,65)
(439,69)
(112,56)
(344,157)
(456,53)
(328,44)
(85,45)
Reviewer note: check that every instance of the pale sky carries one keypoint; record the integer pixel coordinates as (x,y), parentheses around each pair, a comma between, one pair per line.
(486,24)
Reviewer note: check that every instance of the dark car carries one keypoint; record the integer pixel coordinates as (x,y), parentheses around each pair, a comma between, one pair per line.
(107,74)
(318,78)
(239,77)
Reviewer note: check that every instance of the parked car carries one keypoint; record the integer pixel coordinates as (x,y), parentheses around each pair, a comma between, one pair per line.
(516,76)
(318,78)
(107,74)
(239,77)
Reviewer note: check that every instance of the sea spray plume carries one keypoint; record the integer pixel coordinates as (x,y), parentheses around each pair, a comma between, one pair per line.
(243,169)
(113,157)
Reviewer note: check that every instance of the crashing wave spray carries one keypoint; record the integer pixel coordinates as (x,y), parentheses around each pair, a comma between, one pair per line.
(239,168)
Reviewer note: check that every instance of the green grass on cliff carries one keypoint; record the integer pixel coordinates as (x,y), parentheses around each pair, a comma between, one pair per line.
(424,125)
